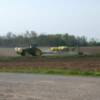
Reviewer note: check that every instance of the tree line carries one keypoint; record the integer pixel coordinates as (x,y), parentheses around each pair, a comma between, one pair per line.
(30,37)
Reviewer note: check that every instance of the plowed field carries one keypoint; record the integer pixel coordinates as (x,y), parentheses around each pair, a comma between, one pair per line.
(76,63)
(81,63)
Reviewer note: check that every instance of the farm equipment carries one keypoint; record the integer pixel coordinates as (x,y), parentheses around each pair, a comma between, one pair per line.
(62,49)
(32,50)
(35,51)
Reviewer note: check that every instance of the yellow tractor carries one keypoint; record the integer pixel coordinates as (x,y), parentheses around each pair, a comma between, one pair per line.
(59,48)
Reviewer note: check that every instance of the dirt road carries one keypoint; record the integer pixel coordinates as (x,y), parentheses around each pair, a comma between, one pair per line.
(48,87)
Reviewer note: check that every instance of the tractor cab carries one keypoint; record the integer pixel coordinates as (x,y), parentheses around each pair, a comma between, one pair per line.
(34,45)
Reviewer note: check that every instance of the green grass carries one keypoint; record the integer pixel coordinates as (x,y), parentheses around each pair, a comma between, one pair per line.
(50,71)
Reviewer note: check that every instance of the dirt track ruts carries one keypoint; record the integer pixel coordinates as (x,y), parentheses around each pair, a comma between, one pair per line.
(84,64)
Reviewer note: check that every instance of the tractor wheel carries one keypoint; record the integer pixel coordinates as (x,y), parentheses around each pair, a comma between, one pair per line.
(38,52)
(23,53)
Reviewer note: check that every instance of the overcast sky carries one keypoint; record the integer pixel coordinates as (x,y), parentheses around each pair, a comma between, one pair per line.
(78,17)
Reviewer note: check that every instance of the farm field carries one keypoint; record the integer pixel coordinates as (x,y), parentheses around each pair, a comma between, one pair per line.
(66,63)
(7,52)
(9,61)
(10,51)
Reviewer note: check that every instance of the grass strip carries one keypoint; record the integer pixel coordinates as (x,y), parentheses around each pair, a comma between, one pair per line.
(50,71)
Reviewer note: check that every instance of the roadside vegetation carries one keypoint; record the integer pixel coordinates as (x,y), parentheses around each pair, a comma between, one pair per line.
(51,71)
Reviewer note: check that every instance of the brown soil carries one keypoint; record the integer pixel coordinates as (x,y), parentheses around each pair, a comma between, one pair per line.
(85,63)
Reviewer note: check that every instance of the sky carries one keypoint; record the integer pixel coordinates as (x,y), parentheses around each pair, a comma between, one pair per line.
(77,17)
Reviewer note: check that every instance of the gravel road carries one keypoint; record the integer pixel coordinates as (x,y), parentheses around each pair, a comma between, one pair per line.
(48,87)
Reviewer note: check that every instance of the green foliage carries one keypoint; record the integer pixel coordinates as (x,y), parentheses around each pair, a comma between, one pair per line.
(49,71)
(29,37)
